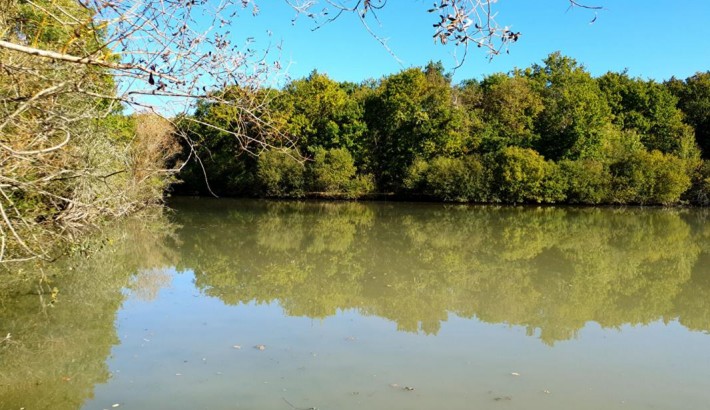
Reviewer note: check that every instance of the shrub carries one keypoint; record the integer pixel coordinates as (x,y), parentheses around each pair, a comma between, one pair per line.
(588,181)
(332,170)
(520,174)
(649,178)
(415,178)
(456,179)
(280,174)
(150,151)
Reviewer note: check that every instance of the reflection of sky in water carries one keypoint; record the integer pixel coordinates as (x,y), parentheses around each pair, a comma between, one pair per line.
(178,352)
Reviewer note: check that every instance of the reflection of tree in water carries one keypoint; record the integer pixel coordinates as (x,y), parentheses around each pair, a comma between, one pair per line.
(146,283)
(58,350)
(550,269)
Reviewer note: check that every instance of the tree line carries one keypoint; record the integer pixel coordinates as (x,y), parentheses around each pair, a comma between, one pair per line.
(548,133)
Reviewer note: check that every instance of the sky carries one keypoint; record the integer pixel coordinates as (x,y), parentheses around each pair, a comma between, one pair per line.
(652,39)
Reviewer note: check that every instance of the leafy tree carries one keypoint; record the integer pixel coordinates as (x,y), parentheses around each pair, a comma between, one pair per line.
(588,181)
(333,172)
(575,110)
(694,100)
(69,157)
(450,179)
(412,115)
(510,107)
(649,178)
(649,109)
(322,114)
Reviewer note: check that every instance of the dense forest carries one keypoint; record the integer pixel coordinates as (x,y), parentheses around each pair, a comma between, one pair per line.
(548,133)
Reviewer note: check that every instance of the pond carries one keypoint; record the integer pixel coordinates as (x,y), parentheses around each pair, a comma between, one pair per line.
(245,304)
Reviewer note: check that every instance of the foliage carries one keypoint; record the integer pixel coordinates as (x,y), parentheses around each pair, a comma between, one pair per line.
(280,174)
(649,178)
(321,114)
(649,109)
(70,159)
(412,114)
(450,179)
(700,190)
(522,175)
(548,133)
(575,110)
(694,101)
(588,181)
(510,107)
(333,172)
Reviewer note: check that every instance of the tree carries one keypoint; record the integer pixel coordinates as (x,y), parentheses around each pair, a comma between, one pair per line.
(412,114)
(648,108)
(694,100)
(575,111)
(69,156)
(321,114)
(333,172)
(510,107)
(280,174)
(522,175)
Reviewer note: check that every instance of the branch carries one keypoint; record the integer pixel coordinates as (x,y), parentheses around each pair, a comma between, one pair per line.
(83,60)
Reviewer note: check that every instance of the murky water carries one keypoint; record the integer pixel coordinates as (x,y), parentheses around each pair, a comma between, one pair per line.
(369,306)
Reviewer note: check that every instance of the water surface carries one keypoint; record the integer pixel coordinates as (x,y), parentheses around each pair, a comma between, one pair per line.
(370,306)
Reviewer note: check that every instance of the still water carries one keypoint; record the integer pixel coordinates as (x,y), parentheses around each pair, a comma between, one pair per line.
(235,304)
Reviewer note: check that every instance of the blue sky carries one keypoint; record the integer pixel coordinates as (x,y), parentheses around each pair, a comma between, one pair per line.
(651,38)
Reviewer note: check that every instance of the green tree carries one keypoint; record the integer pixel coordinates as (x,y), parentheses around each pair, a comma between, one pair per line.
(649,109)
(694,100)
(333,172)
(322,114)
(510,107)
(644,177)
(575,110)
(588,181)
(412,114)
(69,157)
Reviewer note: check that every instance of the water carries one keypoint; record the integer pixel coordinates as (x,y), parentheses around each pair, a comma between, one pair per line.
(370,306)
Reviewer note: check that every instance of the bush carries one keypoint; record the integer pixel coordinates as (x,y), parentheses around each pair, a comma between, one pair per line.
(150,151)
(456,179)
(521,175)
(649,178)
(449,179)
(359,186)
(332,170)
(700,191)
(588,181)
(280,174)
(415,178)
(554,185)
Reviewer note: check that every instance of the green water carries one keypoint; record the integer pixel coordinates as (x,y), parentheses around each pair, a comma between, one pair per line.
(368,306)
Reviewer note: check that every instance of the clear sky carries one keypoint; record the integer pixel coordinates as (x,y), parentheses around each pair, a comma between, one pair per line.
(651,38)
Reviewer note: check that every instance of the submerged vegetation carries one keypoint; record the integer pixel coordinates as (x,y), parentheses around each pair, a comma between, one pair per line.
(549,133)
